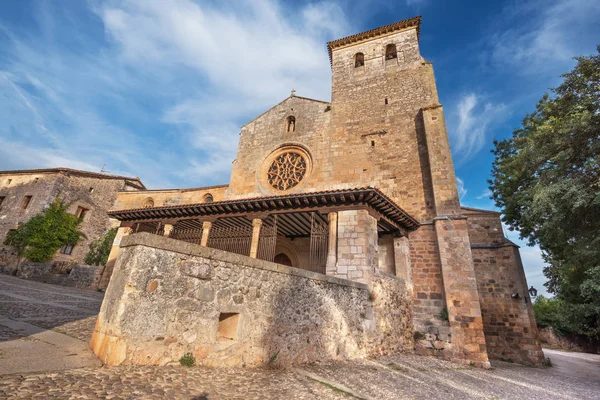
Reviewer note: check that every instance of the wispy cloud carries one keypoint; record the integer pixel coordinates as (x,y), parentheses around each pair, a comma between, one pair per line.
(461,188)
(155,91)
(484,195)
(556,31)
(470,127)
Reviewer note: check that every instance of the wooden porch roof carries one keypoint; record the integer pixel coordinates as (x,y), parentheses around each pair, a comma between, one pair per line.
(367,197)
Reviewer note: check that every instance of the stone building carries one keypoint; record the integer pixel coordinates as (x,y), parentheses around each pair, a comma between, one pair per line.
(357,191)
(90,195)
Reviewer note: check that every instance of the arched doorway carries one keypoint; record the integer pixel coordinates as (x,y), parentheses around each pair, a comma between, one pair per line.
(282,259)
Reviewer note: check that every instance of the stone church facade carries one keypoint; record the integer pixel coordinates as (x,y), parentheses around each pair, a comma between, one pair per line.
(356,194)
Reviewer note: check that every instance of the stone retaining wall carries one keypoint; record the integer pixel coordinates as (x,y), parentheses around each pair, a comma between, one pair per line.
(167,298)
(85,276)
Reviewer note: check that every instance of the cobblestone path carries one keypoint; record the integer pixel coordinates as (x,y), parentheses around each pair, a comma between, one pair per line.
(71,312)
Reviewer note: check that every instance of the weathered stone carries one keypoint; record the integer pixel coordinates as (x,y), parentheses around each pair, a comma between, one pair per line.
(196,269)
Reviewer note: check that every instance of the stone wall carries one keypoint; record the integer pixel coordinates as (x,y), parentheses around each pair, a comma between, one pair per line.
(509,324)
(30,269)
(85,276)
(168,297)
(94,192)
(168,197)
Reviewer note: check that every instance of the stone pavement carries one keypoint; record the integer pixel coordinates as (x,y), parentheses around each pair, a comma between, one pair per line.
(45,327)
(402,376)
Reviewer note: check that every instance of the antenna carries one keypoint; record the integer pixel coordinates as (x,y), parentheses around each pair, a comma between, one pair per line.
(103,169)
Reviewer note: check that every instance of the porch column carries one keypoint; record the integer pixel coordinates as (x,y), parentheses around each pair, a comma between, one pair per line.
(112,256)
(402,260)
(357,256)
(167,230)
(332,251)
(256,224)
(206,225)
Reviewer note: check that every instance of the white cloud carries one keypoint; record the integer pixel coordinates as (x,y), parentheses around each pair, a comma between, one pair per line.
(164,93)
(556,31)
(484,195)
(469,134)
(461,188)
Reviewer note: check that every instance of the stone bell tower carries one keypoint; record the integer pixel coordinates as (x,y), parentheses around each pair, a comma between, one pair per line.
(388,130)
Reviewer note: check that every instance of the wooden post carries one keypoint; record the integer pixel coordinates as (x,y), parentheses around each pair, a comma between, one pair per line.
(256,224)
(332,247)
(206,225)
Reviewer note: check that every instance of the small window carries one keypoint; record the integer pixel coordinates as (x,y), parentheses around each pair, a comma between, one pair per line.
(81,213)
(386,101)
(2,199)
(9,181)
(208,198)
(290,124)
(228,323)
(359,60)
(91,190)
(372,143)
(66,249)
(26,201)
(390,52)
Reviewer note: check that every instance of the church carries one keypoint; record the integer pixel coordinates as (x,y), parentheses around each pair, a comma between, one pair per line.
(357,200)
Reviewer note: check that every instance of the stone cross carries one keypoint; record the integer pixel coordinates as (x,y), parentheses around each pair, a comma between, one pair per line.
(293,92)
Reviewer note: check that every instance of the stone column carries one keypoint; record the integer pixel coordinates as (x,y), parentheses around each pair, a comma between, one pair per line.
(357,256)
(454,246)
(402,260)
(206,225)
(256,224)
(167,230)
(332,251)
(112,256)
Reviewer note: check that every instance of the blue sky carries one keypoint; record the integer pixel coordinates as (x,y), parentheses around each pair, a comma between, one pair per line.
(159,89)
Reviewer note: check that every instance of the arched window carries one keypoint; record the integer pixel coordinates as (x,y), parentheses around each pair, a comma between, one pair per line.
(148,202)
(390,52)
(208,198)
(290,124)
(359,60)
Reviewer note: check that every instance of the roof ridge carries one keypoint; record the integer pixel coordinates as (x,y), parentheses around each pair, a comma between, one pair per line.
(287,98)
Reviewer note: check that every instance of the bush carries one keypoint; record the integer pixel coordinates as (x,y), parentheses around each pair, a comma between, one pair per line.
(39,238)
(444,314)
(187,360)
(100,248)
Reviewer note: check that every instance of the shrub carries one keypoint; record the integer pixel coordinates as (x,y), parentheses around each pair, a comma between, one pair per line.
(187,360)
(100,248)
(42,235)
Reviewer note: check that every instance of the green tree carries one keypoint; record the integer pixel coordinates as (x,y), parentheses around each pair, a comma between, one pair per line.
(546,180)
(100,248)
(39,238)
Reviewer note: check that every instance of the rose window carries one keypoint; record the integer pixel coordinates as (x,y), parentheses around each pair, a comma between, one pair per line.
(286,171)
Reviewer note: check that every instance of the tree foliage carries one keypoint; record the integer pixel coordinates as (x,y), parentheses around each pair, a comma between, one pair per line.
(100,248)
(546,180)
(42,235)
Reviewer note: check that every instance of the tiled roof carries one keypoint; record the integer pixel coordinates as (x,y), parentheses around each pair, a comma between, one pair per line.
(367,196)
